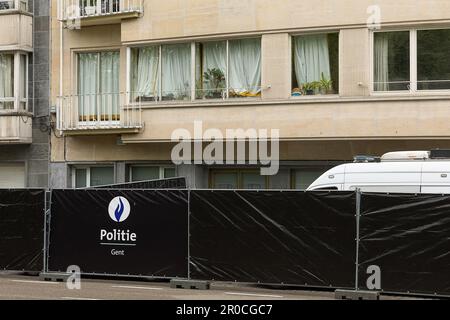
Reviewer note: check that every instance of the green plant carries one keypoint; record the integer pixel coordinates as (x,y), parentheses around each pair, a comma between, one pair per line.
(215,80)
(326,85)
(309,88)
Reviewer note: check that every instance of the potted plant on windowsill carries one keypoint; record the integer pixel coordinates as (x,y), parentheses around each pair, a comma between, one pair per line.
(309,88)
(215,79)
(325,85)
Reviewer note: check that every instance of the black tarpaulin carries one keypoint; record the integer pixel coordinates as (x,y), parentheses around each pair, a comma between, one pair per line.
(22,230)
(157,218)
(274,237)
(408,238)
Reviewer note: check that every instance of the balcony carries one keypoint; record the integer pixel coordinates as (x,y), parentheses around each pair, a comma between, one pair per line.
(107,113)
(15,5)
(80,13)
(15,128)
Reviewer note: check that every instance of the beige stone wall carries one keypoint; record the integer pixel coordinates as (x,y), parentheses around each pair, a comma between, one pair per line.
(16,32)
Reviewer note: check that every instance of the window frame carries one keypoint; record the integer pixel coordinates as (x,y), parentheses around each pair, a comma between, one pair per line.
(18,5)
(193,89)
(17,83)
(161,168)
(413,59)
(88,168)
(239,172)
(292,69)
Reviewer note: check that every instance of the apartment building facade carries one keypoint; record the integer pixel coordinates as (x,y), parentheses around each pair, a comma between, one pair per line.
(24,93)
(337,78)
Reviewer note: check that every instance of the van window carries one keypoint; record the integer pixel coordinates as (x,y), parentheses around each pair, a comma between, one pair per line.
(326,189)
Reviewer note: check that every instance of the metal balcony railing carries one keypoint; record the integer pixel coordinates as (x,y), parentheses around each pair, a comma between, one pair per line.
(14,5)
(103,111)
(78,9)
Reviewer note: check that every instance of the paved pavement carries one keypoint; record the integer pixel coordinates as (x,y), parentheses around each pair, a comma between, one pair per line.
(30,288)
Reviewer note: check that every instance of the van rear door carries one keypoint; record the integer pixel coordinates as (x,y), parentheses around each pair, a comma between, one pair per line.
(436,177)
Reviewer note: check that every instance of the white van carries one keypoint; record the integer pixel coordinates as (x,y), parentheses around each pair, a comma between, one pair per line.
(394,172)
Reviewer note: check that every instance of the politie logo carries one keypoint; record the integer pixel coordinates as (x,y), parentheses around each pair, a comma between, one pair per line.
(119,209)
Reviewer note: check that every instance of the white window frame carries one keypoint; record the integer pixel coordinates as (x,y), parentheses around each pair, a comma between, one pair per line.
(17,83)
(291,58)
(413,65)
(161,170)
(193,87)
(21,5)
(88,172)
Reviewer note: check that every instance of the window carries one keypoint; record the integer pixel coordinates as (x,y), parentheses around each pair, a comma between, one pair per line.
(238,179)
(98,86)
(13,89)
(85,177)
(411,61)
(391,61)
(14,4)
(315,64)
(433,59)
(303,178)
(92,7)
(223,69)
(145,172)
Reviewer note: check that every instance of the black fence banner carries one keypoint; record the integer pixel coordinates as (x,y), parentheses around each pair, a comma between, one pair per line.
(404,243)
(22,230)
(138,232)
(274,237)
(170,183)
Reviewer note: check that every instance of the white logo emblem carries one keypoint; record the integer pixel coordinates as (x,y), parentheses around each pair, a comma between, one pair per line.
(119,209)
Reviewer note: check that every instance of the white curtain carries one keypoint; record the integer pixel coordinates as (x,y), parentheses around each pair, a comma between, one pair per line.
(109,85)
(6,79)
(214,57)
(87,85)
(245,67)
(145,73)
(176,71)
(311,58)
(381,62)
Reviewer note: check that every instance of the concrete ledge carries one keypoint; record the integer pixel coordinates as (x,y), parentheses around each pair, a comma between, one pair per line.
(55,277)
(356,295)
(190,284)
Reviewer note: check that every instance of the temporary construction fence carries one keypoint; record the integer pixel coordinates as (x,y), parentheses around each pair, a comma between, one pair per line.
(385,242)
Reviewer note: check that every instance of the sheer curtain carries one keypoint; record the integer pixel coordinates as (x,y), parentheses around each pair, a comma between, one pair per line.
(311,58)
(176,71)
(6,80)
(87,86)
(109,85)
(381,62)
(245,67)
(145,74)
(214,57)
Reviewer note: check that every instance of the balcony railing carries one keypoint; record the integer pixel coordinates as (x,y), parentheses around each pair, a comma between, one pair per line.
(103,111)
(21,5)
(79,9)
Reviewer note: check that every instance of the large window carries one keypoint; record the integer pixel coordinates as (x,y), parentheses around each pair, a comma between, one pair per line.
(391,61)
(85,177)
(14,4)
(238,179)
(98,86)
(147,172)
(223,69)
(13,81)
(411,61)
(315,64)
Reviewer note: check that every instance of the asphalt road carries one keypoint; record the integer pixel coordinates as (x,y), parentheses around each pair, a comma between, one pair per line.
(13,287)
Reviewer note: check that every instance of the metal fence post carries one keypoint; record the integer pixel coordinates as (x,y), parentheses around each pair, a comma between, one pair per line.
(357,216)
(189,234)
(48,210)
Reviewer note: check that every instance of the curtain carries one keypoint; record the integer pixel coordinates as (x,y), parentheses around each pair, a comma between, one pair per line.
(109,85)
(145,72)
(176,72)
(214,57)
(87,86)
(381,62)
(311,58)
(245,67)
(6,80)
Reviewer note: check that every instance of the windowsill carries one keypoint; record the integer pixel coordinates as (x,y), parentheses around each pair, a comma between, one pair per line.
(317,99)
(421,93)
(15,11)
(12,113)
